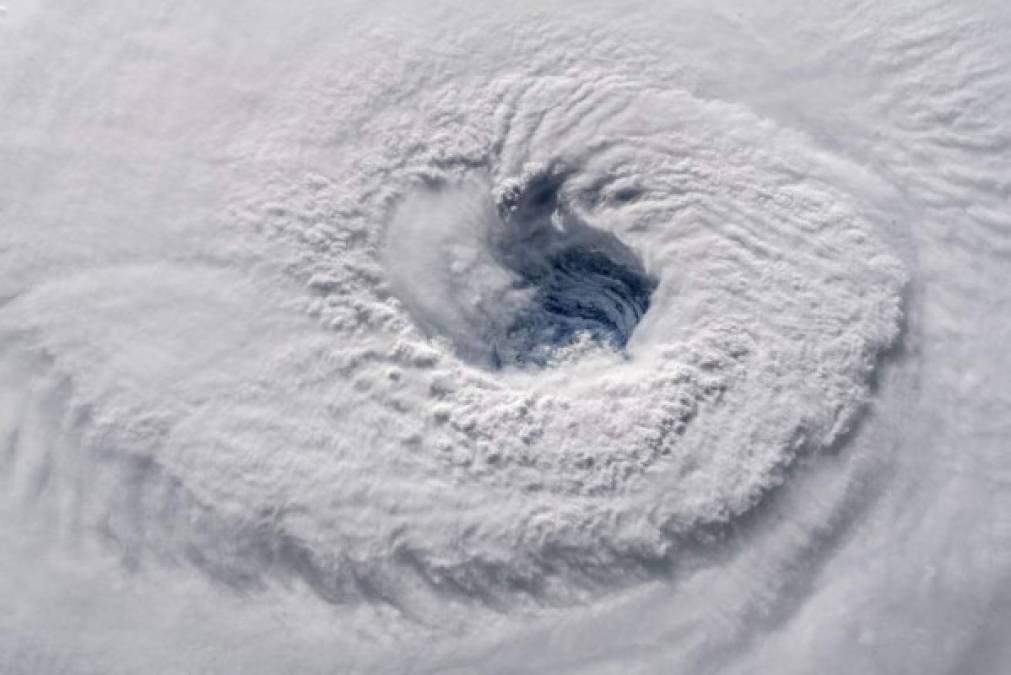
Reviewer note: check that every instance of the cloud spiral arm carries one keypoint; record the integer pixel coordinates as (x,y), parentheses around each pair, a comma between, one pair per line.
(515,324)
(772,301)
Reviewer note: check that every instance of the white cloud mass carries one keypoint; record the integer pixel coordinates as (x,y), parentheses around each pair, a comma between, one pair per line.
(476,337)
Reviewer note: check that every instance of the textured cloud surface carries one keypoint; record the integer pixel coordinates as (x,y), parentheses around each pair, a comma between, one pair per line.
(371,337)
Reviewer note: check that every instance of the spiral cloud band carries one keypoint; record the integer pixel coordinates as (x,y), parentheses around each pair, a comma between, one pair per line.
(351,338)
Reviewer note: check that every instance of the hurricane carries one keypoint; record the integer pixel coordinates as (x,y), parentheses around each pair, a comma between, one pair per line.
(345,337)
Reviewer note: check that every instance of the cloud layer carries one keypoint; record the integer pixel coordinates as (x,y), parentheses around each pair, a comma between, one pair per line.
(502,340)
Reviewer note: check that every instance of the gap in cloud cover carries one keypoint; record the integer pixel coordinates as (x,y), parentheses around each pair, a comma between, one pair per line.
(521,283)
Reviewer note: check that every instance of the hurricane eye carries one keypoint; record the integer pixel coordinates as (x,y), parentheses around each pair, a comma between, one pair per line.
(543,197)
(582,283)
(515,280)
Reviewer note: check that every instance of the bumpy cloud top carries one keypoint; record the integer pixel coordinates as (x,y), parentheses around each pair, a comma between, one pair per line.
(484,314)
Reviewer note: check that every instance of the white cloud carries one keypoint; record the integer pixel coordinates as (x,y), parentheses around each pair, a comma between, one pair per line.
(291,365)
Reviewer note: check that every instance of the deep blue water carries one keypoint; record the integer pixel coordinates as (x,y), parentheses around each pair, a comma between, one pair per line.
(583,280)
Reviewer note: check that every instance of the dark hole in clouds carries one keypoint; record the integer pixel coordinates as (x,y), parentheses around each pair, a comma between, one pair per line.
(582,281)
